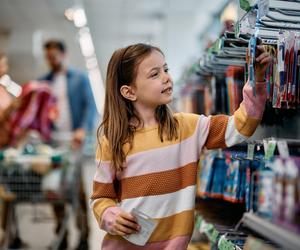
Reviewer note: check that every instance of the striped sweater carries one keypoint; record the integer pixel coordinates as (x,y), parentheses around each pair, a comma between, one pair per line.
(160,177)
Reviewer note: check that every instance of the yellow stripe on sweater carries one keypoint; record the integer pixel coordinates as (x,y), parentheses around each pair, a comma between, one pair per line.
(100,205)
(244,124)
(144,141)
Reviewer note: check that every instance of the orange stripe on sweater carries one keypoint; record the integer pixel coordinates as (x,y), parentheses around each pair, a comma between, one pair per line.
(217,129)
(103,190)
(159,183)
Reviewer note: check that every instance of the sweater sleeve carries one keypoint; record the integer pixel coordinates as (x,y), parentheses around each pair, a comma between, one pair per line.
(226,131)
(104,196)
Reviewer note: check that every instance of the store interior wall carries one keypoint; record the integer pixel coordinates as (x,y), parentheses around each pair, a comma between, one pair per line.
(175,26)
(172,25)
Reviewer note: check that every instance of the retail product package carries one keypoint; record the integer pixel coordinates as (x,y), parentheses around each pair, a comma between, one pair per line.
(147,227)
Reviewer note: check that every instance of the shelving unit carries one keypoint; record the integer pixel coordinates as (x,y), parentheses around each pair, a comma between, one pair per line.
(271,231)
(228,50)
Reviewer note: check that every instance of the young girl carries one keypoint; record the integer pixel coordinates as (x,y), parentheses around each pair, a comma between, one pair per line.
(148,156)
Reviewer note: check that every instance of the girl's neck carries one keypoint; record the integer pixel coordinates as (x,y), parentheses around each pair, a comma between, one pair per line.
(147,116)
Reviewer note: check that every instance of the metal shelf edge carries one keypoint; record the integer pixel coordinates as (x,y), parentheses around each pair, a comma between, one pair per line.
(283,237)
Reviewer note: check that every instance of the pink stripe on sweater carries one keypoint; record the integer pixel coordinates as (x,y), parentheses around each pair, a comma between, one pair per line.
(169,157)
(254,105)
(178,243)
(104,173)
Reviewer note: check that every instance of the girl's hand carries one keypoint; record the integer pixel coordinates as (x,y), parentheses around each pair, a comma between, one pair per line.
(261,63)
(125,224)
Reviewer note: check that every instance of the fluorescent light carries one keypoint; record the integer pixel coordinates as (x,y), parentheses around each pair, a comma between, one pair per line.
(79,18)
(69,14)
(86,43)
(77,15)
(91,63)
(97,88)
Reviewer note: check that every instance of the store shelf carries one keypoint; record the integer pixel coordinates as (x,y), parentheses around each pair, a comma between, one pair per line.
(284,238)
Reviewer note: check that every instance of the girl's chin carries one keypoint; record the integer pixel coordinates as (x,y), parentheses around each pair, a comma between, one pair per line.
(167,101)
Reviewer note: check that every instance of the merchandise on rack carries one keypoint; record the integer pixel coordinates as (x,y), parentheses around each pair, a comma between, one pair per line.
(270,187)
(227,176)
(235,83)
(220,237)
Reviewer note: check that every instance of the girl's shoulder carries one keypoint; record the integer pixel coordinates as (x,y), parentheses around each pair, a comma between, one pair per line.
(187,123)
(102,149)
(186,117)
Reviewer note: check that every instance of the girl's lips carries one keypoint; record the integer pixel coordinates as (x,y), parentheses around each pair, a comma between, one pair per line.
(167,90)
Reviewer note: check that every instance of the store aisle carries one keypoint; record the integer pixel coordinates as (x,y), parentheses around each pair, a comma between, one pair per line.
(36,222)
(96,235)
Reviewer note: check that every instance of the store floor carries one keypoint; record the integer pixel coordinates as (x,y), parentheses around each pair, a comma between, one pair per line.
(36,223)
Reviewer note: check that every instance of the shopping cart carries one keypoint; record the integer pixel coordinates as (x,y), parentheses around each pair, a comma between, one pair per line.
(34,178)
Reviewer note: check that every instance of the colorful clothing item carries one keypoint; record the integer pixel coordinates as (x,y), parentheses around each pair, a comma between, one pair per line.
(160,177)
(30,111)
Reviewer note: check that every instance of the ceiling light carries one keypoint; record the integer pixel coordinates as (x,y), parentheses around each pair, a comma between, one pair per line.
(69,14)
(86,44)
(79,18)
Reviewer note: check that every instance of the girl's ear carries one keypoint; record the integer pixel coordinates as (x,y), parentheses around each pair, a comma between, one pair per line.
(128,93)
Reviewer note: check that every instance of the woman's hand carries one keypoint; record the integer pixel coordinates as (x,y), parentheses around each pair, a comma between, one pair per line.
(261,63)
(125,224)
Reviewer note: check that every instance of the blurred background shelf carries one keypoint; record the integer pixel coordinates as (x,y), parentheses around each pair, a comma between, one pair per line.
(271,231)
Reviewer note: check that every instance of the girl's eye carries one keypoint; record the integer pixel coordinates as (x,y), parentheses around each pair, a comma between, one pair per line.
(166,70)
(154,74)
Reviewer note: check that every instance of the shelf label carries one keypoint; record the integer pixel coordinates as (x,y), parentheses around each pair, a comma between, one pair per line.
(283,149)
(225,244)
(269,147)
(250,151)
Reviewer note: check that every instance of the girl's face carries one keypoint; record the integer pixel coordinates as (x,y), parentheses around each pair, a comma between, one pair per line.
(153,85)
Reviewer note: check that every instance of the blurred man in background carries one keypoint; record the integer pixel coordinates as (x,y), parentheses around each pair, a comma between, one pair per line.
(77,115)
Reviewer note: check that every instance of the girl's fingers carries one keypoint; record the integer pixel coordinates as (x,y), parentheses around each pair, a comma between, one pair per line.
(124,230)
(117,232)
(128,216)
(127,223)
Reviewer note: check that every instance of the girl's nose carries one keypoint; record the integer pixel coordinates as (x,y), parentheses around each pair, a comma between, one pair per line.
(167,78)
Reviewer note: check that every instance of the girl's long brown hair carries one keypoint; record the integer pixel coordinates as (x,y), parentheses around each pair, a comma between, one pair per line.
(119,112)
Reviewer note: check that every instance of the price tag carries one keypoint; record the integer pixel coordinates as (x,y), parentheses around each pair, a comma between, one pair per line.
(208,228)
(237,29)
(214,235)
(280,57)
(263,8)
(225,244)
(250,151)
(198,222)
(283,149)
(269,152)
(202,226)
